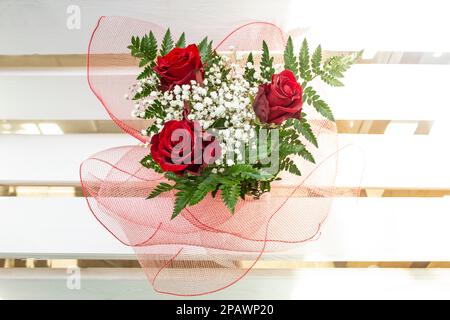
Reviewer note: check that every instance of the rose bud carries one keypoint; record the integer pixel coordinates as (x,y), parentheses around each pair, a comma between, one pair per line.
(279,100)
(179,66)
(183,146)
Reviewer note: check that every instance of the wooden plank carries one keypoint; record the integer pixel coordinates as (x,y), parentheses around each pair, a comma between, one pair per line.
(28,25)
(370,161)
(372,92)
(52,160)
(372,283)
(365,229)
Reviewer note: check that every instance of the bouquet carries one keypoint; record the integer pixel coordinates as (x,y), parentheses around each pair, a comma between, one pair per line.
(228,165)
(225,123)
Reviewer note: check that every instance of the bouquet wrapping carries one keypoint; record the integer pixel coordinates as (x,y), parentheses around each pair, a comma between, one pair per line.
(193,219)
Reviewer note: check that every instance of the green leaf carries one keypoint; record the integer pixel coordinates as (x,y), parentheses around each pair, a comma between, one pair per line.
(323,108)
(250,57)
(304,128)
(204,187)
(246,171)
(145,49)
(203,44)
(167,43)
(260,175)
(230,195)
(155,110)
(307,155)
(295,147)
(182,199)
(203,48)
(313,99)
(249,73)
(304,62)
(149,163)
(290,61)
(290,166)
(237,169)
(161,188)
(145,73)
(335,67)
(290,148)
(266,65)
(181,43)
(209,52)
(146,90)
(172,176)
(316,60)
(331,80)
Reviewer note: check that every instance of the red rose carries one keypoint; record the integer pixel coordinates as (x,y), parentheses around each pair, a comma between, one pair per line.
(183,146)
(279,100)
(179,66)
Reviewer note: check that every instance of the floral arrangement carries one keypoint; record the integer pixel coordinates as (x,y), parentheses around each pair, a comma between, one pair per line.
(225,124)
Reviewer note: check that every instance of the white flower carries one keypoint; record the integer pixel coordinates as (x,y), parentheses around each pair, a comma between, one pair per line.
(208,101)
(177,89)
(199,106)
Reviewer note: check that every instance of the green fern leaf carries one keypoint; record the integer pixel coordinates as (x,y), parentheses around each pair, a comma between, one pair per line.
(290,166)
(335,67)
(249,73)
(230,195)
(204,187)
(266,64)
(323,108)
(149,163)
(167,43)
(161,188)
(304,62)
(181,43)
(145,49)
(316,60)
(307,155)
(304,128)
(182,198)
(290,61)
(203,48)
(145,73)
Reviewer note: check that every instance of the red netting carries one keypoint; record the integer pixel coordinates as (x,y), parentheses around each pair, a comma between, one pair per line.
(205,248)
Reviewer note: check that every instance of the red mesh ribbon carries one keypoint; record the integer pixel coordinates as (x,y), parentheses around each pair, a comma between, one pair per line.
(202,250)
